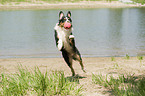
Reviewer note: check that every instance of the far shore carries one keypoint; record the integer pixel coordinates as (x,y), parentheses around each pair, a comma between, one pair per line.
(65,5)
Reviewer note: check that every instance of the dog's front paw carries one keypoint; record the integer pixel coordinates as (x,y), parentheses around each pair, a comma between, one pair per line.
(60,44)
(71,37)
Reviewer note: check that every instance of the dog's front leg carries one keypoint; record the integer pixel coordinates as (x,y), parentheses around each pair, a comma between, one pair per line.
(71,40)
(60,44)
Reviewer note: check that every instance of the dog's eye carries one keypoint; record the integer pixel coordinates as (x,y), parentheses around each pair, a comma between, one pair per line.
(63,20)
(69,19)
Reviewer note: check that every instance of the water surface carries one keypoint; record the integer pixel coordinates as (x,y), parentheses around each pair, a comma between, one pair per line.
(98,32)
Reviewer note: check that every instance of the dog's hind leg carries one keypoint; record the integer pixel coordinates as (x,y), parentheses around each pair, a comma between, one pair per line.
(82,66)
(68,60)
(81,63)
(79,59)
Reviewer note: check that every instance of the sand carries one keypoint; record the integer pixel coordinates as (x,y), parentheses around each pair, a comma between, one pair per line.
(96,65)
(66,5)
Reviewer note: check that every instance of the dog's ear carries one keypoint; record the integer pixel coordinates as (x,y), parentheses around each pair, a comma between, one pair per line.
(61,14)
(68,14)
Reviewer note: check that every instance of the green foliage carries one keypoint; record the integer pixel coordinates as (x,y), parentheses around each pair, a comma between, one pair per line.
(15,84)
(50,1)
(121,85)
(37,83)
(140,58)
(112,58)
(139,1)
(127,57)
(7,1)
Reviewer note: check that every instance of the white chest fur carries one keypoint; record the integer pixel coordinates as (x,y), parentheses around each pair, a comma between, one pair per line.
(62,33)
(63,36)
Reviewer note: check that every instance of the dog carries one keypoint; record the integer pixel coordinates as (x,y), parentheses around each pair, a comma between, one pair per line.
(65,41)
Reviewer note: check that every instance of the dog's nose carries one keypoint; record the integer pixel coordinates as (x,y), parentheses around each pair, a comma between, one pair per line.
(67,25)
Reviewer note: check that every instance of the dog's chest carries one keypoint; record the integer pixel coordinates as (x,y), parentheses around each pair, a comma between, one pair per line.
(63,34)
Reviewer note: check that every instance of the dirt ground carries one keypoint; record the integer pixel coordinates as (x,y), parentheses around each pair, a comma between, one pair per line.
(96,65)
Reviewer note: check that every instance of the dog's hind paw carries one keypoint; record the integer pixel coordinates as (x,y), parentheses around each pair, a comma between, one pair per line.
(84,70)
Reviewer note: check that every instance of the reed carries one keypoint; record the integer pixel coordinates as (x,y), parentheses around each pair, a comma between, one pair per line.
(122,85)
(37,83)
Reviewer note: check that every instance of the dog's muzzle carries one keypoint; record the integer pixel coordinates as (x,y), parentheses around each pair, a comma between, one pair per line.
(67,25)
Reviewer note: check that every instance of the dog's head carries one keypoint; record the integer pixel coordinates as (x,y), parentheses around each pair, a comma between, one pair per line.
(65,21)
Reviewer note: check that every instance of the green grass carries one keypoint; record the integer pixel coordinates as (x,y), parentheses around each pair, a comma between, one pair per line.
(122,85)
(112,58)
(127,57)
(139,1)
(37,83)
(140,58)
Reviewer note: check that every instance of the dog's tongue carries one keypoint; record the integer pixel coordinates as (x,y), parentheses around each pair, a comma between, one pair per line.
(67,25)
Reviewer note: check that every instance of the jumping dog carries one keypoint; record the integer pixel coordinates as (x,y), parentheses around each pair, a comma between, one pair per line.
(65,40)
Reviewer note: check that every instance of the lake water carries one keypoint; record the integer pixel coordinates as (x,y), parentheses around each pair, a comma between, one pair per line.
(98,32)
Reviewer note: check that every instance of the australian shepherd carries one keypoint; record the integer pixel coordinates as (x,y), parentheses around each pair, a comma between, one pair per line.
(65,40)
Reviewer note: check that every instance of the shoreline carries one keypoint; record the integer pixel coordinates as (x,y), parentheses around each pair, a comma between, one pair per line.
(59,56)
(78,5)
(9,65)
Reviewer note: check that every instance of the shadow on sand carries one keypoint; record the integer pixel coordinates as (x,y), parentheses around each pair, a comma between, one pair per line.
(75,78)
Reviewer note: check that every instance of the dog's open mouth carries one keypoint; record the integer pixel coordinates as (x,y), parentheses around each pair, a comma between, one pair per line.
(67,25)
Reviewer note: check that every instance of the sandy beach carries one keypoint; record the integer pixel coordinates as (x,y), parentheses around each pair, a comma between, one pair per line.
(79,5)
(96,65)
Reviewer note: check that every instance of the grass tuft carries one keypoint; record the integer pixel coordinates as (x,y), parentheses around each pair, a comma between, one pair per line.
(37,83)
(140,58)
(122,85)
(127,57)
(112,58)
